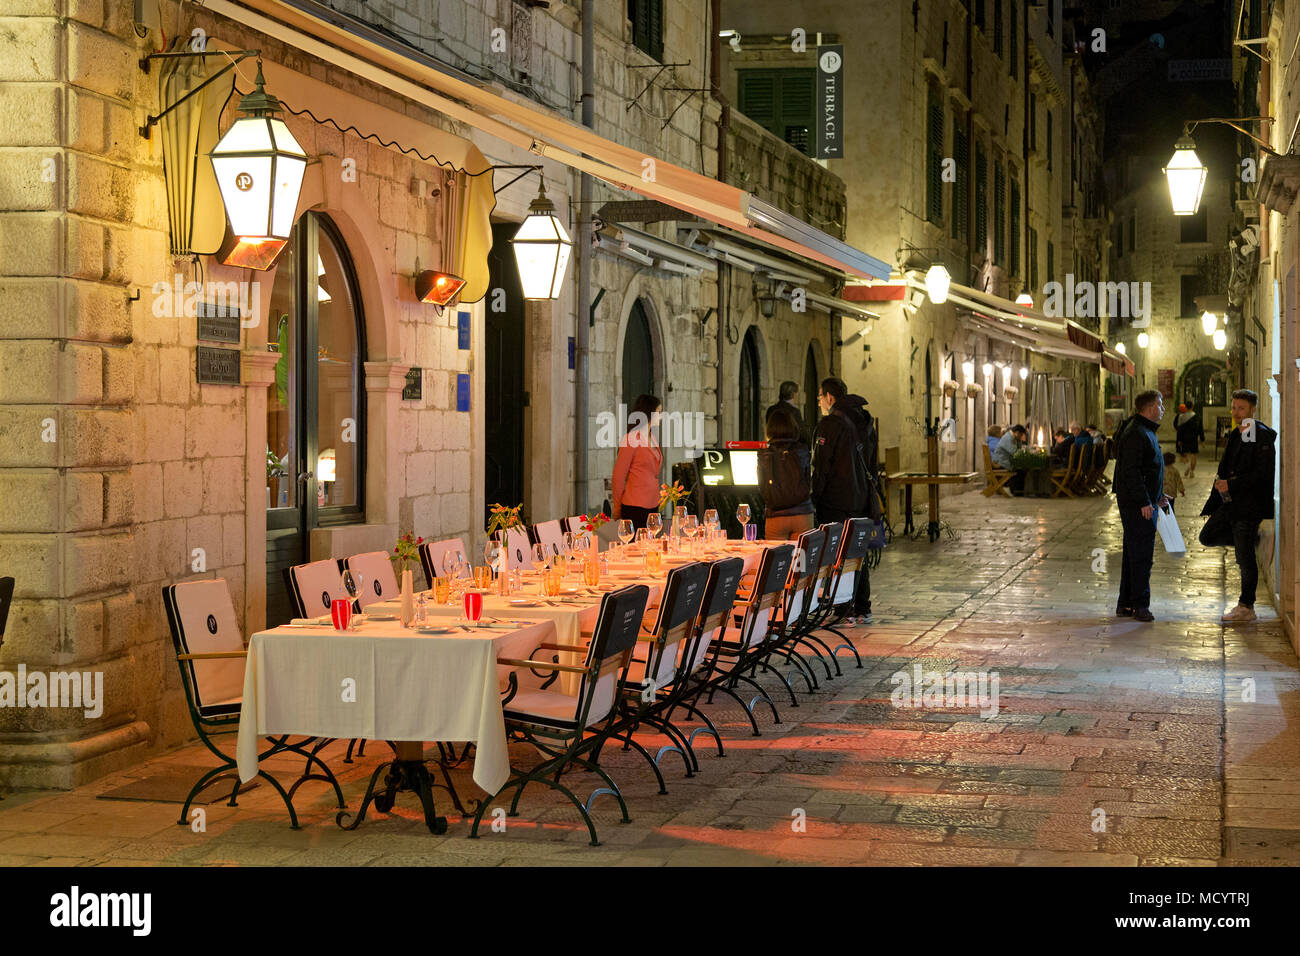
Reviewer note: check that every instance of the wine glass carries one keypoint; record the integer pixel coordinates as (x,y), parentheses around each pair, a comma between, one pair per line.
(711,518)
(492,553)
(642,540)
(742,515)
(539,558)
(690,526)
(353,581)
(570,542)
(625,531)
(654,523)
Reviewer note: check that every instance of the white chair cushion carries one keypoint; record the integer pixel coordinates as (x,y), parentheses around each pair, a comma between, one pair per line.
(518,549)
(845,588)
(379,580)
(317,585)
(549,534)
(437,550)
(208,625)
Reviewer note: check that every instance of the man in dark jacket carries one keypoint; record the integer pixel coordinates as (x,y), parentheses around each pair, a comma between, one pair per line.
(789,391)
(1245,487)
(1139,490)
(840,477)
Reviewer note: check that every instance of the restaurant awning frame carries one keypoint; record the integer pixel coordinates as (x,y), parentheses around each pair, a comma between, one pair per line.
(330,36)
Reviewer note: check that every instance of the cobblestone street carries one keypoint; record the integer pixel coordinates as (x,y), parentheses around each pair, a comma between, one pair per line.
(1112,743)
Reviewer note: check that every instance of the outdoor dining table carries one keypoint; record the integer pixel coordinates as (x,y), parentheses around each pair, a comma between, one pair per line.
(386,682)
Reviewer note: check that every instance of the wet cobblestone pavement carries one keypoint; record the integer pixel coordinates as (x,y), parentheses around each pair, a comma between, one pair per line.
(1114,742)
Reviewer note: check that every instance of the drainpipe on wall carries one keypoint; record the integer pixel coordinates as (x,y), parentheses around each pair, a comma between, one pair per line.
(582,327)
(970,156)
(724,270)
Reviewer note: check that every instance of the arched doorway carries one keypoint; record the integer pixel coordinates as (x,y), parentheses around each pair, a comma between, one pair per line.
(638,356)
(316,411)
(1203,385)
(750,425)
(811,391)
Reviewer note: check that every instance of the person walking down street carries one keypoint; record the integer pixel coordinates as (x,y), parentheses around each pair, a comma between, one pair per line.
(789,395)
(1245,487)
(784,475)
(1174,488)
(635,485)
(1139,491)
(840,479)
(1189,432)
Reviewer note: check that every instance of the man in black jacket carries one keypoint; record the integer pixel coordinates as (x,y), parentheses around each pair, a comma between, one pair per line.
(1245,487)
(1139,491)
(789,392)
(840,478)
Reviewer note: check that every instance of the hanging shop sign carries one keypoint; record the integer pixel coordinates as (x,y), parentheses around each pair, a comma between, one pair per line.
(217,322)
(830,102)
(217,366)
(1165,380)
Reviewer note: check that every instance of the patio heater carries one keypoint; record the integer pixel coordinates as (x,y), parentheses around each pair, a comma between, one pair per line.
(1040,418)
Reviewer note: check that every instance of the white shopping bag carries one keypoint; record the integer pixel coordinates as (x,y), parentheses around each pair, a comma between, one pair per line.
(1171,536)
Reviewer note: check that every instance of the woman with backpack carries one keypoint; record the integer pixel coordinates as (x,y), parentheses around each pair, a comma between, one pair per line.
(784,476)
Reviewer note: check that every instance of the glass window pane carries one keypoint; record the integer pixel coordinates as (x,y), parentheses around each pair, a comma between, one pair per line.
(338,368)
(281,403)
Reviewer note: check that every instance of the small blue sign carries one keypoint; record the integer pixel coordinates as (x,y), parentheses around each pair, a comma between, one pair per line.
(572,352)
(462,391)
(462,331)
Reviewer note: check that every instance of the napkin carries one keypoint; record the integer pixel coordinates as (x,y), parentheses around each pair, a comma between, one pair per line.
(326,619)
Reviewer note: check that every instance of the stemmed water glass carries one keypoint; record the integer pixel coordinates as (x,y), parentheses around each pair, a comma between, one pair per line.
(353,582)
(625,532)
(539,558)
(654,523)
(690,525)
(742,515)
(570,542)
(493,554)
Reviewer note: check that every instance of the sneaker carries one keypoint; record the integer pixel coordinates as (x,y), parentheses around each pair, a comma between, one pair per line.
(850,622)
(1143,614)
(1122,611)
(1239,615)
(865,619)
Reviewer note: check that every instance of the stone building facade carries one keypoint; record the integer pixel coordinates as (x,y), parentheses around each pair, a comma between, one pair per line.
(119,473)
(970,140)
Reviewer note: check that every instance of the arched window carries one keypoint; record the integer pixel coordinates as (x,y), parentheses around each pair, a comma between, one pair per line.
(638,356)
(750,423)
(1202,385)
(812,386)
(316,410)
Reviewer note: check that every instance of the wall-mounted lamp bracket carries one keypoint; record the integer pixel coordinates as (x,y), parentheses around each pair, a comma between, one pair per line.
(526,170)
(237,56)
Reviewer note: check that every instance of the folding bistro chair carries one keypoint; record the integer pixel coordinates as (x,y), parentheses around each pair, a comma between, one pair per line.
(841,588)
(1061,479)
(379,582)
(210,653)
(743,655)
(518,549)
(549,534)
(661,663)
(568,729)
(432,554)
(791,616)
(716,609)
(995,478)
(315,586)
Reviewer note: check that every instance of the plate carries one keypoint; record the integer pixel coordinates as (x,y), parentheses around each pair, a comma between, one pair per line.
(518,602)
(626,575)
(436,630)
(571,590)
(378,617)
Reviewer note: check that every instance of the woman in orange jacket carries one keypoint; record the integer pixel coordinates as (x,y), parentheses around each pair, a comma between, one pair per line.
(636,470)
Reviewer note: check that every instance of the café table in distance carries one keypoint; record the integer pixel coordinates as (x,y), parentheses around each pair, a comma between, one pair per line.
(386,682)
(909,478)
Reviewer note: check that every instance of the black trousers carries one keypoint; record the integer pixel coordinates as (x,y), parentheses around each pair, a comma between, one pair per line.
(862,587)
(636,515)
(1244,535)
(1139,551)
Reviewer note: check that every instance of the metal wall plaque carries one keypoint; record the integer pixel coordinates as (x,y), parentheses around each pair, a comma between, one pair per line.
(414,390)
(217,366)
(218,322)
(829,97)
(462,331)
(462,392)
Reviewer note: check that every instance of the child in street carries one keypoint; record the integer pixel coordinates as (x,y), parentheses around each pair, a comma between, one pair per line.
(1173,480)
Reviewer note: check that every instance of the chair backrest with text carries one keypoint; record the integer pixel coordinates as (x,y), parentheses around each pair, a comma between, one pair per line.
(715,609)
(550,535)
(315,586)
(518,549)
(613,639)
(679,611)
(769,584)
(378,580)
(202,621)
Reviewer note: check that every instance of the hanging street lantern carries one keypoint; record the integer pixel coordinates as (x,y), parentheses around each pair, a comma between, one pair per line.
(988,370)
(937,284)
(1209,322)
(259,168)
(1024,372)
(1143,340)
(1186,174)
(542,248)
(1220,339)
(1121,348)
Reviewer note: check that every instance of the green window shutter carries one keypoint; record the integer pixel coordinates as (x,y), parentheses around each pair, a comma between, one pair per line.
(1015,228)
(757,96)
(647,18)
(1033,260)
(934,159)
(656,30)
(961,187)
(797,108)
(981,202)
(999,215)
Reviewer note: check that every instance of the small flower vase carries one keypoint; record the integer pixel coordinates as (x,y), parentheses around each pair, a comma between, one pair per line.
(593,554)
(408,598)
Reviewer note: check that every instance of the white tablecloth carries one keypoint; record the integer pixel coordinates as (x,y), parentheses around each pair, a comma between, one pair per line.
(407,686)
